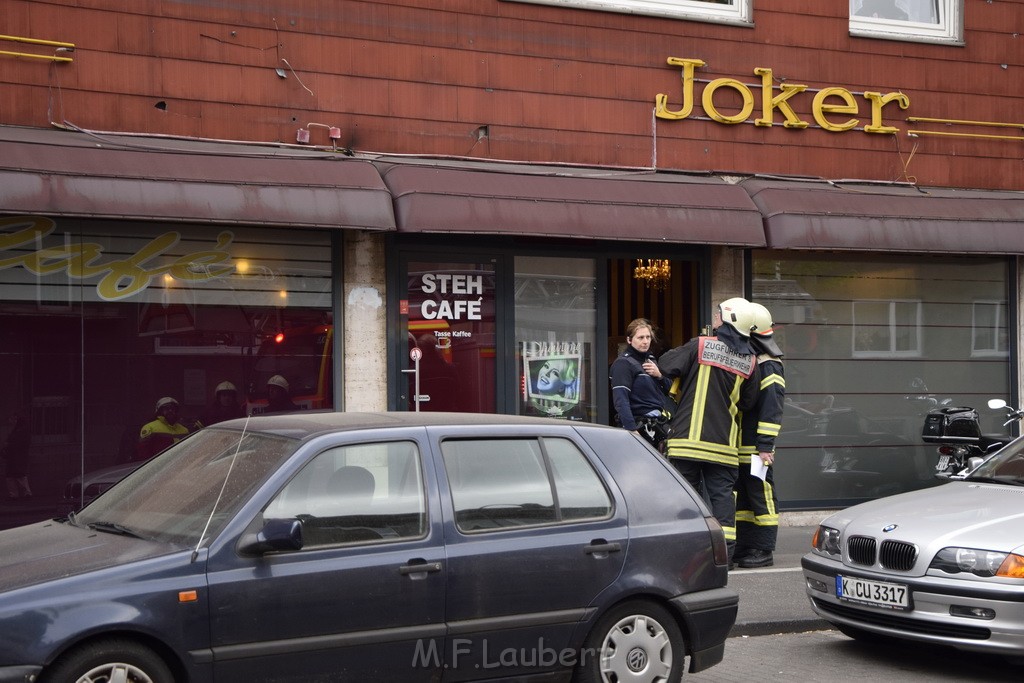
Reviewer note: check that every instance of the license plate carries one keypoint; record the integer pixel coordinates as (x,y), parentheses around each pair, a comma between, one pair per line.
(943,462)
(877,593)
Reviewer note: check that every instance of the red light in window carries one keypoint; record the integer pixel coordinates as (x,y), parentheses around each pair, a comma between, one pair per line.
(279,337)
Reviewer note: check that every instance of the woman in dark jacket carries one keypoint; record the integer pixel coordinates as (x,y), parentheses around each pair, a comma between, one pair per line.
(639,389)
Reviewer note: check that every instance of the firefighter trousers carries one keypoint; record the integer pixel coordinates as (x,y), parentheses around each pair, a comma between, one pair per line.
(716,483)
(757,510)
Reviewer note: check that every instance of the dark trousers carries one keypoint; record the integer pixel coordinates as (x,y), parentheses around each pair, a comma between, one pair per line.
(715,482)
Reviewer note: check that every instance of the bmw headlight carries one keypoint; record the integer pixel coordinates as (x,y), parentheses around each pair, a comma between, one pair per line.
(828,540)
(982,563)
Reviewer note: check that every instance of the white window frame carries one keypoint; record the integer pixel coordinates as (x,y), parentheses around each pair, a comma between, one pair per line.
(994,330)
(740,12)
(949,28)
(893,324)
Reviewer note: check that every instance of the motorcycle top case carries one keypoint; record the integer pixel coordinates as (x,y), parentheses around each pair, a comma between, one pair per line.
(952,425)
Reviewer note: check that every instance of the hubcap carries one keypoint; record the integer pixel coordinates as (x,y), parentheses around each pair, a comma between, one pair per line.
(637,650)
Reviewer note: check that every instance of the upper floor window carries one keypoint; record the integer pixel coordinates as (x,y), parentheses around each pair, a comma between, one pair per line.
(932,21)
(722,11)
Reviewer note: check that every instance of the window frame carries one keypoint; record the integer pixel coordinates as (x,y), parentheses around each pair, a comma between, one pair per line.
(948,30)
(736,12)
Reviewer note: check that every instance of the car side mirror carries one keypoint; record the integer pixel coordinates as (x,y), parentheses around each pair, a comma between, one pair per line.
(276,534)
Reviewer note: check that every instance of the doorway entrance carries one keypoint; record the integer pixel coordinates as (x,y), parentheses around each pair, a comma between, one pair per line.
(663,291)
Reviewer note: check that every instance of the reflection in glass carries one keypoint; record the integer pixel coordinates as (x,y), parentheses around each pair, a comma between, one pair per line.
(920,11)
(872,344)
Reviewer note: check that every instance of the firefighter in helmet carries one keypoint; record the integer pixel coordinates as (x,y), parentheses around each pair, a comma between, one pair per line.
(718,381)
(757,507)
(163,431)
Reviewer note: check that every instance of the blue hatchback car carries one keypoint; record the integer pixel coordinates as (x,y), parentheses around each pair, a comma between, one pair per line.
(375,547)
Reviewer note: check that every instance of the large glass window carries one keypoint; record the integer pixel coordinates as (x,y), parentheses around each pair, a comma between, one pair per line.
(449,324)
(872,342)
(101,319)
(912,20)
(724,11)
(556,334)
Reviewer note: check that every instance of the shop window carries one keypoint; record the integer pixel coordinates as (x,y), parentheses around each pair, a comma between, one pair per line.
(886,329)
(938,21)
(721,11)
(100,320)
(872,342)
(989,335)
(449,318)
(556,333)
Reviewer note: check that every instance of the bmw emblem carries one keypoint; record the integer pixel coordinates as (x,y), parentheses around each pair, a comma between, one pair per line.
(889,527)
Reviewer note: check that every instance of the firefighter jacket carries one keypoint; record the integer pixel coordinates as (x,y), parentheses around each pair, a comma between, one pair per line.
(761,425)
(717,384)
(157,435)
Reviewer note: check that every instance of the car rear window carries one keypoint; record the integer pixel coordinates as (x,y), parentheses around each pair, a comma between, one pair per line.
(502,483)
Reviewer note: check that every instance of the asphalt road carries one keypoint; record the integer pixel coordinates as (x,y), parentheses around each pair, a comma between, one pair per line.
(830,657)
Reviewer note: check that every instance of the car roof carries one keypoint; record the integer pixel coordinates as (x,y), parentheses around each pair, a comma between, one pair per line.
(309,423)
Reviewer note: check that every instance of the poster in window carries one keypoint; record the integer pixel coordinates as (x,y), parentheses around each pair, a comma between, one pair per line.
(552,379)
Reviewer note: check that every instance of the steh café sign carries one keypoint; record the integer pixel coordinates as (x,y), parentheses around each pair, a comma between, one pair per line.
(833,108)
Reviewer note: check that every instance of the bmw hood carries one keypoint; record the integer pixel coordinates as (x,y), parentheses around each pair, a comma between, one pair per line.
(53,550)
(957,514)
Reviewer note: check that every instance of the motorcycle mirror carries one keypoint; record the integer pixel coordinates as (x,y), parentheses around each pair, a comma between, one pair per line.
(996,403)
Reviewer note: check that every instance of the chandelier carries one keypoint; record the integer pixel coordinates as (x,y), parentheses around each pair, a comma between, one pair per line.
(656,273)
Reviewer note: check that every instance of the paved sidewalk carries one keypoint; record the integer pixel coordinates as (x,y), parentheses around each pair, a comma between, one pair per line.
(773,599)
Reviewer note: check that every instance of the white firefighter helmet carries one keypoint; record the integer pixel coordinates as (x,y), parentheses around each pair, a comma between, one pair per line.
(278,381)
(762,320)
(166,401)
(225,386)
(737,314)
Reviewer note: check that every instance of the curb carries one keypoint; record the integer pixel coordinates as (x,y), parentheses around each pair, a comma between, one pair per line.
(762,628)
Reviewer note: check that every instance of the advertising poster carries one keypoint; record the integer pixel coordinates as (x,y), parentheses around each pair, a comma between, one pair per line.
(551,379)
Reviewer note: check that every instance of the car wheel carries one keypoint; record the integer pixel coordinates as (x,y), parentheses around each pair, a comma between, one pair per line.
(109,661)
(636,641)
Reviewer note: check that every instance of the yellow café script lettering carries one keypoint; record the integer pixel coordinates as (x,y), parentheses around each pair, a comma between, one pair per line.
(118,278)
(827,102)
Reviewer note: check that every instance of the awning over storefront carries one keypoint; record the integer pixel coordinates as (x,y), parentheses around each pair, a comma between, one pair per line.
(897,218)
(67,173)
(550,201)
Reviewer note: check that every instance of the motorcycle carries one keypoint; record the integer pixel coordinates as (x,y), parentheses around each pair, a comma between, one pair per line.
(959,442)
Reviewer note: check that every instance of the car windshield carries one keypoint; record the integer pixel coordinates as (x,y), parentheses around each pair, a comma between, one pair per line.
(171,498)
(1005,466)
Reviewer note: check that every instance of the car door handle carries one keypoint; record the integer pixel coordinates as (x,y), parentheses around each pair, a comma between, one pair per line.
(602,547)
(419,567)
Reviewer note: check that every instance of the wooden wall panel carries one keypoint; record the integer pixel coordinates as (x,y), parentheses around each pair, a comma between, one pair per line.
(552,84)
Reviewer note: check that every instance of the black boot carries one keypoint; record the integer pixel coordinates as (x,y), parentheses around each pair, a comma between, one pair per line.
(756,558)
